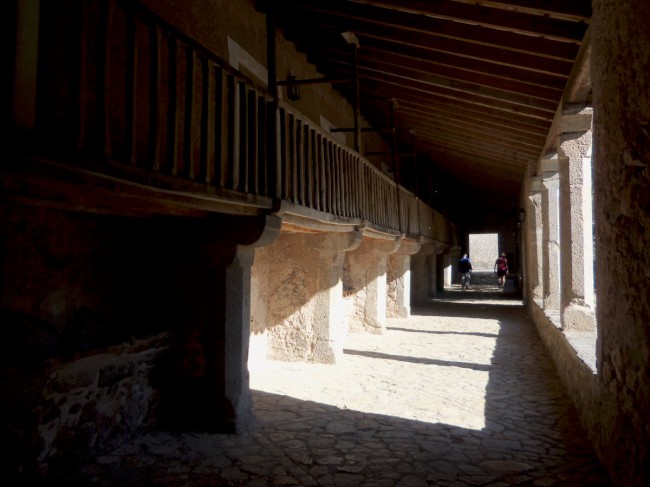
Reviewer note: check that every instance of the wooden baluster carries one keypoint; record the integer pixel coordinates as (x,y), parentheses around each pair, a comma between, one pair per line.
(129,83)
(261,161)
(242,131)
(153,146)
(347,184)
(232,163)
(293,147)
(186,167)
(300,152)
(284,173)
(310,163)
(319,193)
(220,152)
(172,108)
(103,101)
(250,185)
(204,173)
(325,176)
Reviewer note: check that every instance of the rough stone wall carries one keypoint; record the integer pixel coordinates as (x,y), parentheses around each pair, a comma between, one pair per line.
(74,287)
(621,76)
(393,276)
(282,305)
(365,286)
(354,297)
(96,403)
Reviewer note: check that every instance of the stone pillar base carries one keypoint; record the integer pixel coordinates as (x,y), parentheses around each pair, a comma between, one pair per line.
(402,312)
(578,317)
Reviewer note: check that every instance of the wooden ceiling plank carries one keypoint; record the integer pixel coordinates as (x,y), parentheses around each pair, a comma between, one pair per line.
(472,145)
(512,21)
(396,91)
(457,119)
(431,46)
(438,152)
(499,57)
(462,171)
(407,77)
(462,146)
(508,122)
(326,13)
(440,60)
(576,10)
(410,119)
(422,122)
(395,62)
(513,86)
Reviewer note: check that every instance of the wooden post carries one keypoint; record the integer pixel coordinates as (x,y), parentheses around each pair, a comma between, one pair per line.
(357,98)
(272,160)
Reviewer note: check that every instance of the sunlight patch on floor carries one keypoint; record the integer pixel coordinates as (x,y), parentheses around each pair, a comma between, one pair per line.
(430,369)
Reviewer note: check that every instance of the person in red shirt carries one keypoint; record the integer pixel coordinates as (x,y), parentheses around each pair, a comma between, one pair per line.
(501,269)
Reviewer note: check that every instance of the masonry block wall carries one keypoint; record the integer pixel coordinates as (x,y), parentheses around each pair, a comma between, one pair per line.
(86,307)
(614,400)
(621,49)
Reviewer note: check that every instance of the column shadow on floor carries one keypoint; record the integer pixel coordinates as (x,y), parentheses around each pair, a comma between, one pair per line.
(529,432)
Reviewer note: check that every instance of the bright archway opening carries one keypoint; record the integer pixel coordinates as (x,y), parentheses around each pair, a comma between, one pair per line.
(483,250)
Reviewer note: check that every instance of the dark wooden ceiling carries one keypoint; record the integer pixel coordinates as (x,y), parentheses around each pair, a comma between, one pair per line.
(477,81)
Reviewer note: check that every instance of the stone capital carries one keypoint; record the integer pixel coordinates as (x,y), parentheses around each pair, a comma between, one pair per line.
(575,119)
(535,184)
(549,163)
(409,247)
(551,180)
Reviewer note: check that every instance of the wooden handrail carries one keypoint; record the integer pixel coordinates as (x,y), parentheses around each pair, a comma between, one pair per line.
(154,99)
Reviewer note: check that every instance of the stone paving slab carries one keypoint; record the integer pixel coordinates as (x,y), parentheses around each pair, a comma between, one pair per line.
(460,394)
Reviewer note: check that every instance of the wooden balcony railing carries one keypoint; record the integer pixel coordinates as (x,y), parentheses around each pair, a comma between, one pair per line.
(141,100)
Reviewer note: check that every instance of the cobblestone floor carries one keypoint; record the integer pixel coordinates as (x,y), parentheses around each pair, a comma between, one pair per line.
(460,394)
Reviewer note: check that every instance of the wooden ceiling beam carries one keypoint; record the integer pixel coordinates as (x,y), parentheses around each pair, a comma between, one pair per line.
(465,145)
(576,10)
(452,117)
(499,57)
(424,122)
(463,173)
(438,61)
(450,76)
(444,108)
(472,162)
(498,19)
(408,77)
(354,17)
(393,89)
(462,146)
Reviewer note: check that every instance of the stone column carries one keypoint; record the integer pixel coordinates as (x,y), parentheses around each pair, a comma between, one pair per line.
(441,266)
(238,319)
(365,284)
(298,310)
(551,233)
(420,271)
(399,279)
(446,269)
(330,325)
(432,264)
(576,240)
(206,382)
(534,239)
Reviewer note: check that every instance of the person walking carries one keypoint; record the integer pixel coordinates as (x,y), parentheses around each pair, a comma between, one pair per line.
(501,269)
(465,269)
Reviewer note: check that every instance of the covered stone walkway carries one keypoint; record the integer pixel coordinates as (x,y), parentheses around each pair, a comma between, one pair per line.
(461,393)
